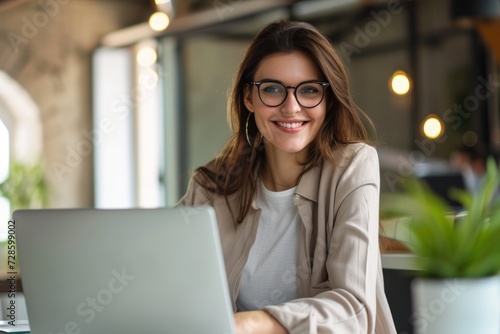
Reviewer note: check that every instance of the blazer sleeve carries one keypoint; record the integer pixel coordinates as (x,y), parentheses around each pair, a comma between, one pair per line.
(352,264)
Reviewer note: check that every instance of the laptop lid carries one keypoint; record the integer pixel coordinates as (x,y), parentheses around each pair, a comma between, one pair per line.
(123,271)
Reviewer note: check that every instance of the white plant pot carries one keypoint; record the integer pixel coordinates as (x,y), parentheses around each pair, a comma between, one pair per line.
(457,305)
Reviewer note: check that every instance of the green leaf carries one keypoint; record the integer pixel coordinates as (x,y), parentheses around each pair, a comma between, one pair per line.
(468,247)
(25,186)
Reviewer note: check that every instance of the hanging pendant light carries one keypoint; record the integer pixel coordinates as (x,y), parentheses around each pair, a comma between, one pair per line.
(160,19)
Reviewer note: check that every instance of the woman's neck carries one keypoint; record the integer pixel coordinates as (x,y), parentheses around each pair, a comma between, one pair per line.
(281,170)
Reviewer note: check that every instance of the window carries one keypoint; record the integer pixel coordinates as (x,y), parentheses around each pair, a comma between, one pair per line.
(4,173)
(128,127)
(20,134)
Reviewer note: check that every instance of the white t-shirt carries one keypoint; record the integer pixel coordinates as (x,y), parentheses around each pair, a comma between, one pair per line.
(269,275)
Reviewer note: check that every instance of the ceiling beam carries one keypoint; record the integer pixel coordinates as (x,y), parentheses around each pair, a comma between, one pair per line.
(6,5)
(223,12)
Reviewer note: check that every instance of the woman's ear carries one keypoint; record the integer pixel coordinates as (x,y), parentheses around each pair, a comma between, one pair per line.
(248,98)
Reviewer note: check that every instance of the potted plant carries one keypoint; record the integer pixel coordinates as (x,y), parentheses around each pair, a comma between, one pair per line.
(25,187)
(458,290)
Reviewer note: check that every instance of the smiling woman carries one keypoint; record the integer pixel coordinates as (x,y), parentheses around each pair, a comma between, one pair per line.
(296,193)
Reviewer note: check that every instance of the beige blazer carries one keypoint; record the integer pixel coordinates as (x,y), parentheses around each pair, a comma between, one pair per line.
(339,271)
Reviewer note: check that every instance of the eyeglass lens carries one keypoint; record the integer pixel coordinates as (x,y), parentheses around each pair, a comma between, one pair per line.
(308,94)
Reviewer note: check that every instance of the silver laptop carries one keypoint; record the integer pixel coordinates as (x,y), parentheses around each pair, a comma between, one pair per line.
(123,271)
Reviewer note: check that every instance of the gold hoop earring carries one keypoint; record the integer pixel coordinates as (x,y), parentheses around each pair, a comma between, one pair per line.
(248,137)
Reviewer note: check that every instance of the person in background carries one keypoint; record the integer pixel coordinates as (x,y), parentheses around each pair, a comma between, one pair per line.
(471,161)
(296,193)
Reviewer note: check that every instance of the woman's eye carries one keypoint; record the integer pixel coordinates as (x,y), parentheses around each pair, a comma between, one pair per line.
(272,89)
(309,90)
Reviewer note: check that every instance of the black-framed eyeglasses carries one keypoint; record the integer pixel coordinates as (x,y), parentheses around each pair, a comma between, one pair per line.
(308,94)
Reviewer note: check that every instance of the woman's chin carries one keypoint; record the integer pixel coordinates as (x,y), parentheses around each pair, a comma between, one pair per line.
(288,149)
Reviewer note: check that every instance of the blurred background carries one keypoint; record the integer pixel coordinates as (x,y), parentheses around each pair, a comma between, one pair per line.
(114,103)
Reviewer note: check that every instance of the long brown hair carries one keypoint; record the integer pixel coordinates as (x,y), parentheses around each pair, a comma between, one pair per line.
(235,170)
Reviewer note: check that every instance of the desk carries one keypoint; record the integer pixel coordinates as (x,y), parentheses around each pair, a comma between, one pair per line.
(22,326)
(399,261)
(5,285)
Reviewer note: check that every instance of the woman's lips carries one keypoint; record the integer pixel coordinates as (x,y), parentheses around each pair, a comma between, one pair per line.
(290,126)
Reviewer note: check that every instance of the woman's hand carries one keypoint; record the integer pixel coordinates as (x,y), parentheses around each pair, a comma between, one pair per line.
(259,322)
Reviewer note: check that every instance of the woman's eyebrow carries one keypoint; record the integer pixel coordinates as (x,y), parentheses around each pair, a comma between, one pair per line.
(281,82)
(269,79)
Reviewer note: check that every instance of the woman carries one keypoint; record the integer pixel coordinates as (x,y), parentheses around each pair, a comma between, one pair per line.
(296,193)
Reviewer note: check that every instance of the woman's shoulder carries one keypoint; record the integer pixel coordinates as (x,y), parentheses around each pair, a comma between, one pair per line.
(355,164)
(195,194)
(201,187)
(347,157)
(350,157)
(207,185)
(350,153)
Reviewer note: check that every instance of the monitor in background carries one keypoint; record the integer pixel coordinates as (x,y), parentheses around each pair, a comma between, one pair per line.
(442,183)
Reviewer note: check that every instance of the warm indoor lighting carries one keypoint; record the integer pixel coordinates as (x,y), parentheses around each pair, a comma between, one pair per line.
(146,56)
(432,127)
(159,21)
(165,6)
(400,83)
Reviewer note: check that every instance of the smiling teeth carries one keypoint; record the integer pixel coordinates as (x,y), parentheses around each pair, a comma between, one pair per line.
(290,125)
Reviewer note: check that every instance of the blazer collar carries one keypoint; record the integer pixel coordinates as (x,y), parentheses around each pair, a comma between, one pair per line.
(308,184)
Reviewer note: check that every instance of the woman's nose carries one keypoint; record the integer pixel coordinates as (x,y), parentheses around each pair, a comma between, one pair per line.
(290,105)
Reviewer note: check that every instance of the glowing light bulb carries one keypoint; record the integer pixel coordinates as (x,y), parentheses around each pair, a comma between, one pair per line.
(146,56)
(159,21)
(400,83)
(433,127)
